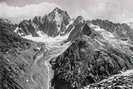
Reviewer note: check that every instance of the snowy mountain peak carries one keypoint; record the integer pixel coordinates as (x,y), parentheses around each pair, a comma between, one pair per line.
(53,24)
(58,13)
(57,10)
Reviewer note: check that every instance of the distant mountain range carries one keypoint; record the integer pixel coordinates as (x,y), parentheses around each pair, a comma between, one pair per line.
(58,52)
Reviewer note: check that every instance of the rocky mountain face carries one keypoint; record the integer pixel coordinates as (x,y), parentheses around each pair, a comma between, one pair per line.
(53,24)
(16,57)
(9,39)
(95,54)
(79,54)
(123,31)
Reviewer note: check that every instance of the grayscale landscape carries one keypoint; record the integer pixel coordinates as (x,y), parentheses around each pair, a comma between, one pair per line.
(65,44)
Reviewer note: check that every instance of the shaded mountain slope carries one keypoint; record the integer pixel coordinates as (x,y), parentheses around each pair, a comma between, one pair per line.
(95,54)
(9,39)
(17,58)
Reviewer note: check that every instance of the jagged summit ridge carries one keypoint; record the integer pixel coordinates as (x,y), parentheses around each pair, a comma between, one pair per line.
(52,24)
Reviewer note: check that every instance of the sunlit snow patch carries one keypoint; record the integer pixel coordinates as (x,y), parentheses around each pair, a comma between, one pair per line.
(108,36)
(45,38)
(18,31)
(71,22)
(58,19)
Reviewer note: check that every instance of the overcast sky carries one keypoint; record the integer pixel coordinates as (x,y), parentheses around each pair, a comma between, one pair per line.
(114,10)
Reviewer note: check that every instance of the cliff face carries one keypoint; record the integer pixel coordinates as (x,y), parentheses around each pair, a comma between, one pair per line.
(53,24)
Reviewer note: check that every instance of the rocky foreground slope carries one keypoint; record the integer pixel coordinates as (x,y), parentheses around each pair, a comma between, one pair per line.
(56,52)
(123,80)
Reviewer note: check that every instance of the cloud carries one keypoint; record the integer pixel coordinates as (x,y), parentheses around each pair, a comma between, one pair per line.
(16,14)
(114,10)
